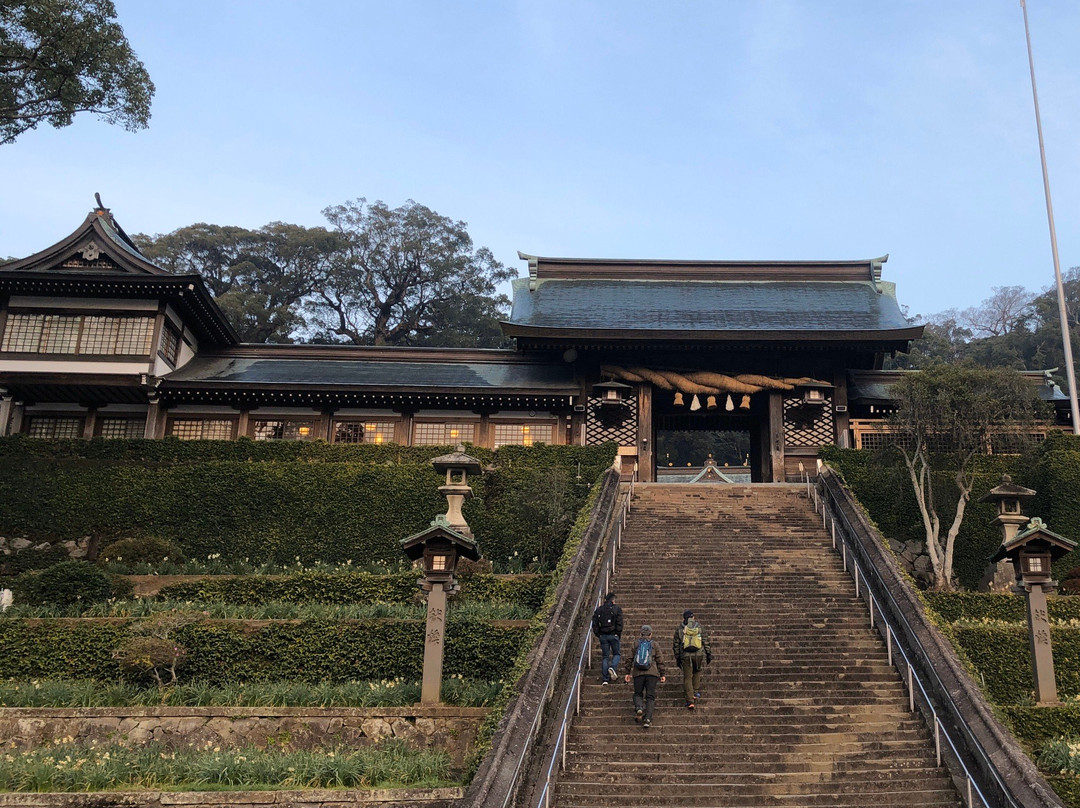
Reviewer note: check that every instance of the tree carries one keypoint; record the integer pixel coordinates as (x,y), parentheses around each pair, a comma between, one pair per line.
(405,275)
(259,277)
(1008,309)
(62,57)
(945,419)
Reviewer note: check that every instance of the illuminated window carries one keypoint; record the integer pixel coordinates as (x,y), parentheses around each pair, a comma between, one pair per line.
(440,562)
(202,428)
(54,426)
(364,432)
(522,434)
(78,334)
(122,427)
(1034,564)
(429,434)
(283,430)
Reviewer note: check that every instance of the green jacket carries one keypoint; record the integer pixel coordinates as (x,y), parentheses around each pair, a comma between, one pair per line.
(677,649)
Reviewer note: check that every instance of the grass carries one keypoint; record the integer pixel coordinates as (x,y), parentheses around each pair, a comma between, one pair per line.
(274,610)
(1062,756)
(78,767)
(386,693)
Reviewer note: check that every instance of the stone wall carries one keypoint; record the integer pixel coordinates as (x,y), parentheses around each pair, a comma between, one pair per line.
(452,729)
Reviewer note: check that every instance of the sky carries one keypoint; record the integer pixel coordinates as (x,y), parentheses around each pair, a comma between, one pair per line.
(818,129)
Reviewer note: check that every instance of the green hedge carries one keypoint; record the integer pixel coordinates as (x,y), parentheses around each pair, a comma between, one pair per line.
(881,483)
(1057,479)
(232,651)
(1037,725)
(956,606)
(1002,662)
(269,501)
(349,587)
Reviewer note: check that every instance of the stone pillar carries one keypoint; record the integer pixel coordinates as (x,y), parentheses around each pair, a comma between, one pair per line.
(5,414)
(1042,657)
(776,437)
(434,639)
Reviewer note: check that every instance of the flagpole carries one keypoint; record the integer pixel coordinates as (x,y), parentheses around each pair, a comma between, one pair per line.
(1070,371)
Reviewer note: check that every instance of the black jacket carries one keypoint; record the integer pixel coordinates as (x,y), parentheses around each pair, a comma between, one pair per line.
(600,613)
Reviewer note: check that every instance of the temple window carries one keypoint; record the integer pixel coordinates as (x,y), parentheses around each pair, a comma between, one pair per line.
(55,426)
(522,434)
(442,434)
(78,334)
(202,428)
(364,431)
(283,429)
(121,427)
(170,344)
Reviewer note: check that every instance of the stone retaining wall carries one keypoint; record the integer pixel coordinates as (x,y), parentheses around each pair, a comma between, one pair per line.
(452,729)
(308,798)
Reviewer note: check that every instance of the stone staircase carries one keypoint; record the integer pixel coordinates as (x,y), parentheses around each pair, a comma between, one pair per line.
(799,707)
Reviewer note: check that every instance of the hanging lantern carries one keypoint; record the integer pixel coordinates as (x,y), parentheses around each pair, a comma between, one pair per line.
(710,402)
(729,405)
(695,403)
(745,404)
(678,400)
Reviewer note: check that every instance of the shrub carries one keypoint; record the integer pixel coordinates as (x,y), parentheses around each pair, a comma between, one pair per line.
(1002,661)
(141,550)
(956,606)
(65,583)
(152,647)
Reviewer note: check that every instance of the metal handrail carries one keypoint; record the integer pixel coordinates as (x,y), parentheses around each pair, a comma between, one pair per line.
(558,753)
(830,509)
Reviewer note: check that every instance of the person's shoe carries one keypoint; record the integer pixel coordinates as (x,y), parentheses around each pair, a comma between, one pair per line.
(697,695)
(646,723)
(605,682)
(638,714)
(611,674)
(689,705)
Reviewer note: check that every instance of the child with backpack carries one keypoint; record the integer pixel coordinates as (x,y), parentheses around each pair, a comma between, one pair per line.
(646,668)
(691,652)
(607,625)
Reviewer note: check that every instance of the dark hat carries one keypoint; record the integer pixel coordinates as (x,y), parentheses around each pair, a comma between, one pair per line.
(610,596)
(687,614)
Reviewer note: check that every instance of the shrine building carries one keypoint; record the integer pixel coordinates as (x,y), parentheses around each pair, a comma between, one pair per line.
(97,341)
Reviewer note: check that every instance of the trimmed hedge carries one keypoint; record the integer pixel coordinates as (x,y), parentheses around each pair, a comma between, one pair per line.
(233,651)
(1002,662)
(349,587)
(1037,725)
(955,606)
(1057,479)
(273,501)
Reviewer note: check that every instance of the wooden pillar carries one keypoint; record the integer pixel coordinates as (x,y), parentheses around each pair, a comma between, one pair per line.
(404,427)
(155,421)
(322,426)
(5,414)
(243,424)
(776,437)
(646,447)
(840,411)
(89,422)
(18,410)
(485,435)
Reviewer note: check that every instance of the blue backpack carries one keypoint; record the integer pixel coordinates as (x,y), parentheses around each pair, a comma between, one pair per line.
(643,657)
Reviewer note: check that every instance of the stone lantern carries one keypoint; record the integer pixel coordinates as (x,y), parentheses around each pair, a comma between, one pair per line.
(1010,499)
(457,466)
(1032,552)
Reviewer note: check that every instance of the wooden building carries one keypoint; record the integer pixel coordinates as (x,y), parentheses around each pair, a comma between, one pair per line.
(97,341)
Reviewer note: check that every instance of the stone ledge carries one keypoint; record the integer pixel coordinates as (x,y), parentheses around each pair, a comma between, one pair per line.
(245,712)
(315,798)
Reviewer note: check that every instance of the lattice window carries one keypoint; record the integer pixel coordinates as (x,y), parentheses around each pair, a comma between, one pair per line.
(523,434)
(202,428)
(23,332)
(170,344)
(60,334)
(122,427)
(603,424)
(283,429)
(364,431)
(442,434)
(54,426)
(99,335)
(808,424)
(134,335)
(78,334)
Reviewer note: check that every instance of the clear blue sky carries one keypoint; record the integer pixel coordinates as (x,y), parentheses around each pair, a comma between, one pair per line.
(752,130)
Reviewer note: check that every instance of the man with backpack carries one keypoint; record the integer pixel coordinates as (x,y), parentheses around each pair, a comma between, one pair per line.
(691,652)
(607,625)
(646,668)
